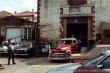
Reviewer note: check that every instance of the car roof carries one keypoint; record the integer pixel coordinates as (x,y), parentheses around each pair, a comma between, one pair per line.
(68,39)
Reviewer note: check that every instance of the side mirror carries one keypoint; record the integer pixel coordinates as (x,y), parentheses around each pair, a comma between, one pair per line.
(100,66)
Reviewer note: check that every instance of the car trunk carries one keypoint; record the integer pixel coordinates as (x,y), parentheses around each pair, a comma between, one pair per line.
(79,57)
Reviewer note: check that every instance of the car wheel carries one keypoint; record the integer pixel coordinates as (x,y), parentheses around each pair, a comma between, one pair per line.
(28,51)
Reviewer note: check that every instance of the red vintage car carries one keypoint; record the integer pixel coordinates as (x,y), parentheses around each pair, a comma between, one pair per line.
(64,48)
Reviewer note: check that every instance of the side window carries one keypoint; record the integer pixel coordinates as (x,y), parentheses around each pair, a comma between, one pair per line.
(74,41)
(106,63)
(76,2)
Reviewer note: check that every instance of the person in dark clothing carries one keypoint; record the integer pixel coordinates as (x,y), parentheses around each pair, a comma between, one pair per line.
(1,67)
(79,45)
(1,39)
(10,51)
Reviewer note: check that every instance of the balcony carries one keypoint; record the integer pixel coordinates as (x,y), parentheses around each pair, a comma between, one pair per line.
(70,11)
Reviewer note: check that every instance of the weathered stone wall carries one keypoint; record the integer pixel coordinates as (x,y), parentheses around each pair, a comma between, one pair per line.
(50,15)
(102,8)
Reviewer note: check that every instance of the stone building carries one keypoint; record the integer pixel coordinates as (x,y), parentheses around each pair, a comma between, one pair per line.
(83,18)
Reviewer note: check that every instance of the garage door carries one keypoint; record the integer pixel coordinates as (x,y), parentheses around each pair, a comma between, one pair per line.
(13,32)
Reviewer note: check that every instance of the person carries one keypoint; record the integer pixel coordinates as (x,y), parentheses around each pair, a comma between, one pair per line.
(72,36)
(2,38)
(10,51)
(100,41)
(1,67)
(79,45)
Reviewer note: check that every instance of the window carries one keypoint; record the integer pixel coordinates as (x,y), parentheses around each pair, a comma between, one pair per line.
(27,33)
(76,2)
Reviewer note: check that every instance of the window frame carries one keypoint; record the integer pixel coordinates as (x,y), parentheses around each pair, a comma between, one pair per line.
(26,33)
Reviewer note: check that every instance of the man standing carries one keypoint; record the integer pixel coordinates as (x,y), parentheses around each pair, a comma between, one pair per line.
(1,39)
(10,52)
(79,45)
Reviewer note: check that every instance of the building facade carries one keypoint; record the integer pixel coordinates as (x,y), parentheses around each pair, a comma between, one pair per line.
(28,15)
(18,25)
(62,18)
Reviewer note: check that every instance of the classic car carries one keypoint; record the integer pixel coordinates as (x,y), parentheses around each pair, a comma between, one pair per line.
(64,48)
(101,61)
(3,48)
(89,53)
(26,49)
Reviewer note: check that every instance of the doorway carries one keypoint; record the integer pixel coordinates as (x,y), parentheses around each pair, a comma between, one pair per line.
(79,30)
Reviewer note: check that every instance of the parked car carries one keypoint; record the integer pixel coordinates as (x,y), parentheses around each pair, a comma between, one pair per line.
(89,53)
(101,61)
(64,48)
(25,48)
(4,48)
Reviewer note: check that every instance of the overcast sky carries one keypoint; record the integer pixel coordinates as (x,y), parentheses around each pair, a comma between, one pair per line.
(18,5)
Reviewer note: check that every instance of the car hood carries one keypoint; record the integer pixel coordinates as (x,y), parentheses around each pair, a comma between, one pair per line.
(23,48)
(80,56)
(61,49)
(65,68)
(84,69)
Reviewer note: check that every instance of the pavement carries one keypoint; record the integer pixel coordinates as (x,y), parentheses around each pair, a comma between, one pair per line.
(27,65)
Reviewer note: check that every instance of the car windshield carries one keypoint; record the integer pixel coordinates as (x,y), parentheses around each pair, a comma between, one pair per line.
(64,42)
(90,49)
(93,61)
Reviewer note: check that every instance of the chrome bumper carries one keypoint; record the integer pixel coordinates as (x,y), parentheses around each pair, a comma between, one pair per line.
(59,56)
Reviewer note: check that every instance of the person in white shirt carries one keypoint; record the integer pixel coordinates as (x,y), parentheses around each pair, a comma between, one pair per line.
(10,52)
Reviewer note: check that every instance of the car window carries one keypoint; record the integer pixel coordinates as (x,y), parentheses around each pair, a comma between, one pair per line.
(68,42)
(61,42)
(64,42)
(93,61)
(106,60)
(106,63)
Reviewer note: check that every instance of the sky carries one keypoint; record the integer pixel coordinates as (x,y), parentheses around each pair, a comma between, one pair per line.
(18,5)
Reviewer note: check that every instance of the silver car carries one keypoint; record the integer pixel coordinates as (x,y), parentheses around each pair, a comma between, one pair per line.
(4,48)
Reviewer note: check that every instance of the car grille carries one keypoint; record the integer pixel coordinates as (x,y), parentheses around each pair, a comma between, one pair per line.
(20,51)
(58,55)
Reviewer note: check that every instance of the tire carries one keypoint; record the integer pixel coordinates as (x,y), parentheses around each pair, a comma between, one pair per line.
(28,51)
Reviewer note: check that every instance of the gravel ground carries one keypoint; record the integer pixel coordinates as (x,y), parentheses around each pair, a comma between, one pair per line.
(28,65)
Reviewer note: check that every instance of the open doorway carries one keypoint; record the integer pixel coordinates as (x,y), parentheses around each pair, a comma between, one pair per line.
(79,30)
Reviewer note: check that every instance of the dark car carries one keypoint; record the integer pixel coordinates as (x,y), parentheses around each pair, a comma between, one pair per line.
(101,61)
(25,48)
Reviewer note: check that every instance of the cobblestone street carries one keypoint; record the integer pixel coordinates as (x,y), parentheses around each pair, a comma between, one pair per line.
(28,65)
